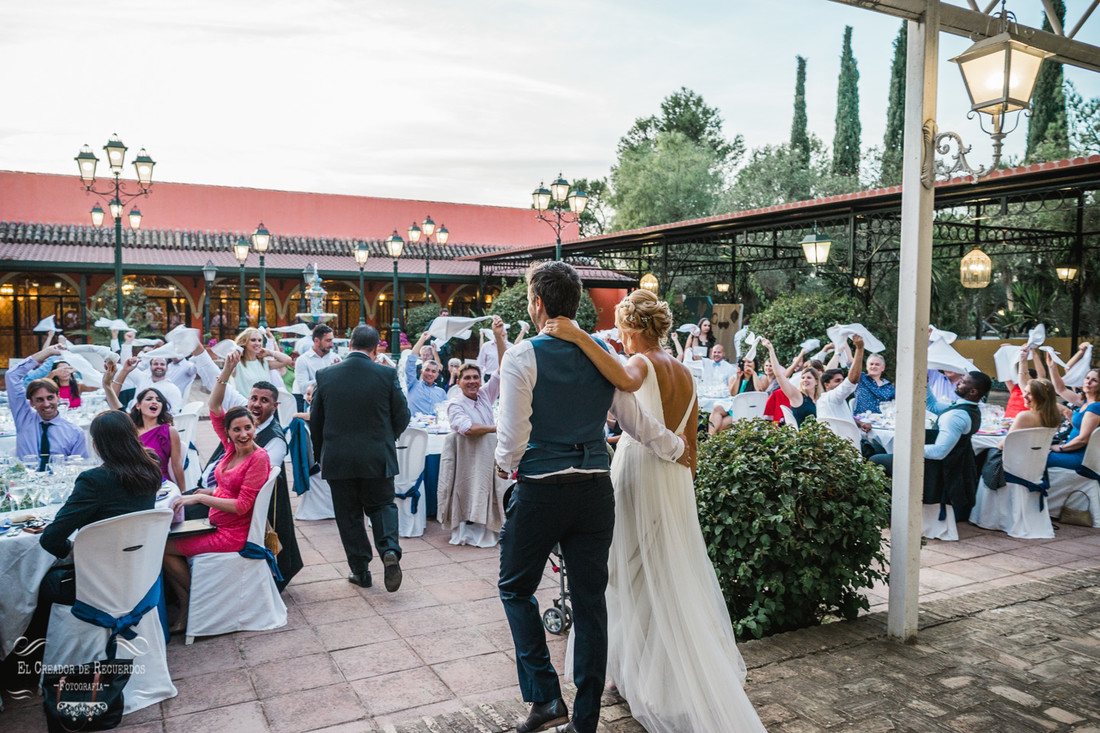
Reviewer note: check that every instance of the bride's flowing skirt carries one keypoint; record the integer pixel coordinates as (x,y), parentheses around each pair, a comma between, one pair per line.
(671,649)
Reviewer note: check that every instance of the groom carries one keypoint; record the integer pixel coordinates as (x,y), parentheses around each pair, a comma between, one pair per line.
(553,405)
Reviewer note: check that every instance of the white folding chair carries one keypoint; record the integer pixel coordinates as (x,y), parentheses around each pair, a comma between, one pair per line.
(118,563)
(186,423)
(230,592)
(844,428)
(748,404)
(315,504)
(412,449)
(788,417)
(192,408)
(1064,482)
(288,405)
(1013,508)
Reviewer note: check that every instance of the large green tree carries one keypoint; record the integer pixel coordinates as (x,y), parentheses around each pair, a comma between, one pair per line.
(846,137)
(800,136)
(892,142)
(1084,115)
(686,112)
(671,178)
(1047,128)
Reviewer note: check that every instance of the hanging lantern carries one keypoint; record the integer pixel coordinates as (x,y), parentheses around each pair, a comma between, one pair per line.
(859,282)
(1067,273)
(649,282)
(975,269)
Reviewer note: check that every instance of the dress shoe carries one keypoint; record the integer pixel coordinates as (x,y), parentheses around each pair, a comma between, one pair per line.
(360,579)
(545,715)
(393,571)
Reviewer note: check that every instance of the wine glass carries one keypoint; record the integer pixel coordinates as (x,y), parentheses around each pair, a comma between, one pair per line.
(31,462)
(17,490)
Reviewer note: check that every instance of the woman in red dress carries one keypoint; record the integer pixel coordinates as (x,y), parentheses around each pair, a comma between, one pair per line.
(240,474)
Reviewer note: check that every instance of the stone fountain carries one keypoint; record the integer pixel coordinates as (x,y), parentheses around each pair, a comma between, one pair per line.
(316,296)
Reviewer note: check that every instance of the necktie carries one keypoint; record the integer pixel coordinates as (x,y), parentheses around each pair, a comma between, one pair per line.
(44,448)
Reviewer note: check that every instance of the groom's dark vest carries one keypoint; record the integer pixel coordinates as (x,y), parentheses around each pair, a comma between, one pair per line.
(569,405)
(954,479)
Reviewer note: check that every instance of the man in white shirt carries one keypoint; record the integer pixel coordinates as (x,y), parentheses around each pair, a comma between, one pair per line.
(320,356)
(181,372)
(471,413)
(156,378)
(716,368)
(834,401)
(488,357)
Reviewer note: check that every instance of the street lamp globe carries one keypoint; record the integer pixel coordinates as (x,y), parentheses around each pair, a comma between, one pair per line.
(143,166)
(209,272)
(135,219)
(999,73)
(577,201)
(395,245)
(559,189)
(240,250)
(86,162)
(362,254)
(261,239)
(540,198)
(442,235)
(414,233)
(1066,273)
(116,208)
(116,153)
(815,247)
(97,215)
(428,226)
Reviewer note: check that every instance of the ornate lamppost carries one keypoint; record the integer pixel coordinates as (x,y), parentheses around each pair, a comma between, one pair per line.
(209,272)
(441,236)
(116,155)
(240,249)
(261,239)
(394,245)
(362,254)
(558,219)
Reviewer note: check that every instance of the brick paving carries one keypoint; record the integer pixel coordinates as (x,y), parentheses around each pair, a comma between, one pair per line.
(1010,641)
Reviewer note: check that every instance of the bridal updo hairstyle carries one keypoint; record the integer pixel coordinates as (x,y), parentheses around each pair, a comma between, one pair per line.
(641,311)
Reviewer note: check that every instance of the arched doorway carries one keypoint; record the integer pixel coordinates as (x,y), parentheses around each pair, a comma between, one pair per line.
(25,299)
(225,302)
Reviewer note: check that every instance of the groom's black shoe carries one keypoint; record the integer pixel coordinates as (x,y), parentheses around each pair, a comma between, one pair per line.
(544,715)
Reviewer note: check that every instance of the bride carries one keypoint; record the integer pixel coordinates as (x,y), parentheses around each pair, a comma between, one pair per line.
(671,649)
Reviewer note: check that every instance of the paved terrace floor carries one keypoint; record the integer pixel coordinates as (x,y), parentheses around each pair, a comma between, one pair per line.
(1011,642)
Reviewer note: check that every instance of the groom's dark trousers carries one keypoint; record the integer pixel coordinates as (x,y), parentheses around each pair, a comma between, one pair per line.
(579,515)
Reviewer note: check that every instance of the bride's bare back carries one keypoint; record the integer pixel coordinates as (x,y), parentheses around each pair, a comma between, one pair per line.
(675,383)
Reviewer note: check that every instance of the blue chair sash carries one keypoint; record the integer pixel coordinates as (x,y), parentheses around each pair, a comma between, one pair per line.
(1041,487)
(413,493)
(1088,473)
(123,625)
(258,552)
(299,454)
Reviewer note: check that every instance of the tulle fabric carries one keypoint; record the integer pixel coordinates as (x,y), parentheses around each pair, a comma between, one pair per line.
(671,649)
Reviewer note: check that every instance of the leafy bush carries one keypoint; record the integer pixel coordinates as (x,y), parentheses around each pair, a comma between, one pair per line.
(791,320)
(511,305)
(793,522)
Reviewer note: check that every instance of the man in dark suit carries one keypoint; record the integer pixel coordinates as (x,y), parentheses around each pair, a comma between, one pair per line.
(358,412)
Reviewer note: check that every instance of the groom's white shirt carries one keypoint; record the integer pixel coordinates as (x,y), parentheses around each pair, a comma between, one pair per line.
(518,374)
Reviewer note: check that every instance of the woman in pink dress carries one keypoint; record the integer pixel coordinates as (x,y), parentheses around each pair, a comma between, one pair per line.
(240,474)
(152,415)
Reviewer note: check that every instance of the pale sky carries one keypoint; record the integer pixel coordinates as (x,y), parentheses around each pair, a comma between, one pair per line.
(472,102)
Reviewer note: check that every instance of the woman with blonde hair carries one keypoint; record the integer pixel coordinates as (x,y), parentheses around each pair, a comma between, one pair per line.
(671,649)
(1040,407)
(801,397)
(256,361)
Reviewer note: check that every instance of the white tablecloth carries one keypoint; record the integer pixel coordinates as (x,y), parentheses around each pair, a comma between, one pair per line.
(979,442)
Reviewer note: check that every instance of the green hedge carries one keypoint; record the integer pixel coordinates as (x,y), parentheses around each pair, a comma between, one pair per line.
(790,321)
(793,521)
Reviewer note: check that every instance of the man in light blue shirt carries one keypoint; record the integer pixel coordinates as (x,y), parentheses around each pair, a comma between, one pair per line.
(423,395)
(39,428)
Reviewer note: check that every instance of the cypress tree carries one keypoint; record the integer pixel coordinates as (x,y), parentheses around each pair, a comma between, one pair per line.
(800,137)
(1048,105)
(846,137)
(895,113)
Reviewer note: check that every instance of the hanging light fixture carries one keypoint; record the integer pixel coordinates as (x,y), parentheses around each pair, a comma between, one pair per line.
(975,269)
(540,198)
(649,282)
(859,282)
(1066,273)
(723,287)
(815,247)
(559,189)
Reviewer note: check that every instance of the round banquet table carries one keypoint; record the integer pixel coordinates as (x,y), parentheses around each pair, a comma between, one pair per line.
(979,442)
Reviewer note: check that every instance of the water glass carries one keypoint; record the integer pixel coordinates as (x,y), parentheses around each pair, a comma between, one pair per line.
(17,490)
(31,462)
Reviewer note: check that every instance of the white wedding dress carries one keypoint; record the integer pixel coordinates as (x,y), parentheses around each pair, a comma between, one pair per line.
(671,649)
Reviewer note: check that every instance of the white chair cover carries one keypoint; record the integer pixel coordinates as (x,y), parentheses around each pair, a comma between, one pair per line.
(191,408)
(748,404)
(1064,482)
(117,561)
(1012,508)
(788,417)
(471,495)
(234,593)
(844,428)
(288,405)
(412,450)
(934,528)
(316,503)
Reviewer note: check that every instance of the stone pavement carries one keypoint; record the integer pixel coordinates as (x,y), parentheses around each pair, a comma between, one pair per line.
(1011,630)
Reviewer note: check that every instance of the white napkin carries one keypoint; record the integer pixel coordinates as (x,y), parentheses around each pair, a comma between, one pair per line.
(688,328)
(751,340)
(941,355)
(935,333)
(1054,355)
(1075,375)
(184,340)
(225,347)
(524,325)
(1037,335)
(838,334)
(1006,360)
(145,342)
(810,344)
(445,328)
(609,334)
(168,351)
(46,324)
(92,377)
(300,329)
(114,324)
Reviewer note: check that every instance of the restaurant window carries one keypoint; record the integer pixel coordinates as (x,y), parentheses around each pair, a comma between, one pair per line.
(27,299)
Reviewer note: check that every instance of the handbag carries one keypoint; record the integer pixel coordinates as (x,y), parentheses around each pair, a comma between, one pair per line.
(271,537)
(1079,517)
(86,696)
